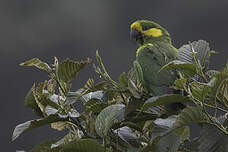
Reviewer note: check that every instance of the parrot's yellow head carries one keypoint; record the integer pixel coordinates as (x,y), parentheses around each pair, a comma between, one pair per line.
(144,31)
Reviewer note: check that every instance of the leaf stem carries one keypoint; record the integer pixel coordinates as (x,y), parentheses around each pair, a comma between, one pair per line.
(211,106)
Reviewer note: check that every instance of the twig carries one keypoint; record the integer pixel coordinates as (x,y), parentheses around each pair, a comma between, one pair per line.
(211,106)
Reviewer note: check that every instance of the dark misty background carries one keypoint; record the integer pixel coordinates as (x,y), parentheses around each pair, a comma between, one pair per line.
(76,29)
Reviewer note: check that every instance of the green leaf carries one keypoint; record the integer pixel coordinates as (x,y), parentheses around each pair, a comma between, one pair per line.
(65,140)
(212,139)
(73,97)
(133,105)
(200,91)
(163,100)
(99,95)
(162,126)
(107,117)
(123,80)
(94,105)
(24,127)
(38,98)
(51,86)
(169,143)
(220,86)
(139,72)
(203,53)
(180,83)
(191,115)
(184,132)
(103,72)
(37,64)
(133,88)
(189,69)
(83,145)
(91,87)
(44,99)
(127,135)
(46,147)
(68,69)
(164,137)
(189,146)
(31,103)
(93,101)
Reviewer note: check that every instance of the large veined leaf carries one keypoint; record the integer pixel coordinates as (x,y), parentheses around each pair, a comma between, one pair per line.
(37,64)
(187,68)
(164,99)
(83,145)
(191,115)
(212,139)
(24,127)
(163,126)
(68,69)
(168,143)
(164,138)
(203,52)
(107,117)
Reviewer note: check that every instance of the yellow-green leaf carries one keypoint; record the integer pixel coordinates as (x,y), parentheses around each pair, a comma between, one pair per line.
(35,62)
(68,69)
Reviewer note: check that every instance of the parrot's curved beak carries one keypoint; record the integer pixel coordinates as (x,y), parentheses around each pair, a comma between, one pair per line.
(134,34)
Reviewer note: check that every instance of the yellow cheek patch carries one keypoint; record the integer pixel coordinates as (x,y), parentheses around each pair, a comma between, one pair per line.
(154,32)
(137,26)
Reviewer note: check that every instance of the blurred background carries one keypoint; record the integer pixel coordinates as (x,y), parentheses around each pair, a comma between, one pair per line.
(76,29)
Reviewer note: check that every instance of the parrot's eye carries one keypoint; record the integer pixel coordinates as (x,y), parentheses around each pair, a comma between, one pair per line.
(144,28)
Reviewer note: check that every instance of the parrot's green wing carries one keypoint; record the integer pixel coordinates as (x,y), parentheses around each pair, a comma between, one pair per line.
(151,57)
(138,71)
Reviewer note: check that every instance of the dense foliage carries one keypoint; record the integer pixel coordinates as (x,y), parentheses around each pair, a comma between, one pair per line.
(123,116)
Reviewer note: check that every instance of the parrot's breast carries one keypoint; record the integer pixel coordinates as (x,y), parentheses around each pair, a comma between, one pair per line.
(152,57)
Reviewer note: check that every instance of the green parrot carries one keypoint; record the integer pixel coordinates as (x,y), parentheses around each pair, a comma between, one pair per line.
(155,50)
